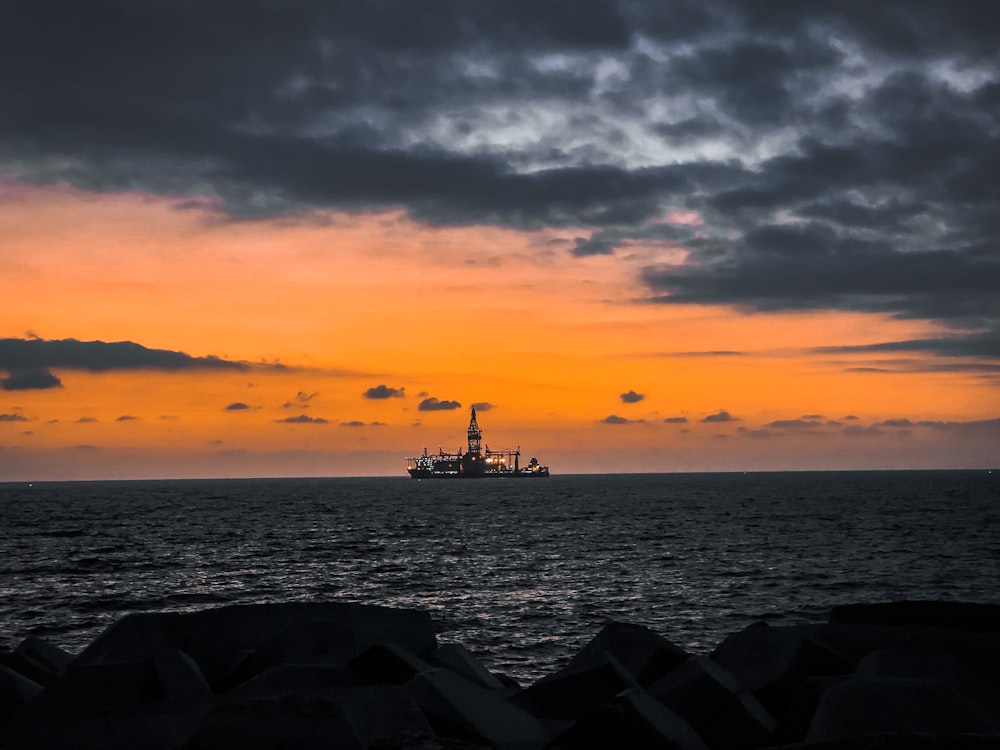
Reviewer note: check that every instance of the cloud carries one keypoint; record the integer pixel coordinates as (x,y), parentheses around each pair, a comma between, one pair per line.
(977,344)
(795,424)
(895,423)
(127,418)
(34,379)
(359,423)
(720,416)
(715,353)
(384,392)
(483,406)
(303,419)
(12,418)
(976,427)
(676,420)
(34,354)
(236,406)
(631,397)
(615,419)
(838,156)
(432,404)
(86,420)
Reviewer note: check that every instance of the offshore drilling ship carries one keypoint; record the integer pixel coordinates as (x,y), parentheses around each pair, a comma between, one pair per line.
(475,463)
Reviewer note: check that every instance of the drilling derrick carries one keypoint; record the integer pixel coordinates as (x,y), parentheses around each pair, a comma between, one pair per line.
(475,434)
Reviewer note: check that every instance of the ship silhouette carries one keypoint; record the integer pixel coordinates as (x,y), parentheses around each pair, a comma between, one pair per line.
(477,462)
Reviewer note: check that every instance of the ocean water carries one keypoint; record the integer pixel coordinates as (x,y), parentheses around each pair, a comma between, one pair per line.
(522,572)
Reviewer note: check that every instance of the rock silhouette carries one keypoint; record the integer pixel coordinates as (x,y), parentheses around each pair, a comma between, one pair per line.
(333,675)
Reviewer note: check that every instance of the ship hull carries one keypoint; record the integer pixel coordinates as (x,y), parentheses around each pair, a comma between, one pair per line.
(432,474)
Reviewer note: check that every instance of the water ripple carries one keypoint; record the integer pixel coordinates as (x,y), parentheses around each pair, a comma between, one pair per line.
(523,573)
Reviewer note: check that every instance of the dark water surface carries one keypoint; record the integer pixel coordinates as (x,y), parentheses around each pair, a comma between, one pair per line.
(522,572)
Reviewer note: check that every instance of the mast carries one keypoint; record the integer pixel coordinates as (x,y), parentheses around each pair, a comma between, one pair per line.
(475,434)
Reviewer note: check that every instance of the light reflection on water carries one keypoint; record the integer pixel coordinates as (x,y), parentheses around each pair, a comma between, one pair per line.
(521,572)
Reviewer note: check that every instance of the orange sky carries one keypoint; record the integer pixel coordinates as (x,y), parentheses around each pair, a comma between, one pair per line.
(348,302)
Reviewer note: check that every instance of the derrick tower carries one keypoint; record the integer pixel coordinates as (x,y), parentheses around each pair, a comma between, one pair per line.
(475,434)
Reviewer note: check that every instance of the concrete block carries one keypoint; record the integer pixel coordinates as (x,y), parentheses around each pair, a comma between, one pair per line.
(301,642)
(386,664)
(181,683)
(221,639)
(459,708)
(572,694)
(39,660)
(714,704)
(644,654)
(291,723)
(632,720)
(461,661)
(377,713)
(866,707)
(16,690)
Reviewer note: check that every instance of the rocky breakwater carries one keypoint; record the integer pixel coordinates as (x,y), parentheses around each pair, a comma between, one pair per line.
(331,675)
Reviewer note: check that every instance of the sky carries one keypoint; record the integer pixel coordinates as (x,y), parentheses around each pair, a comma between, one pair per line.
(303,239)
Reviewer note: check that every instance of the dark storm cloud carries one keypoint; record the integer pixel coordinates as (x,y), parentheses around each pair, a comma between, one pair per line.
(631,397)
(383,392)
(17,355)
(35,379)
(433,404)
(839,155)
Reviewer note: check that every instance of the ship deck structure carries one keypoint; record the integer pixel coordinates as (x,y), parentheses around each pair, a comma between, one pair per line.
(478,461)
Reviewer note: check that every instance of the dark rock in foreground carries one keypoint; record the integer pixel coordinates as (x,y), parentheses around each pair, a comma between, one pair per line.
(332,675)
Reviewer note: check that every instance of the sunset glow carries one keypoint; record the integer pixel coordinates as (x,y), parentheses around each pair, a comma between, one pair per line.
(637,322)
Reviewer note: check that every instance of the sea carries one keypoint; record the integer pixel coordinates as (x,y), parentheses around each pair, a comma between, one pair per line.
(522,572)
